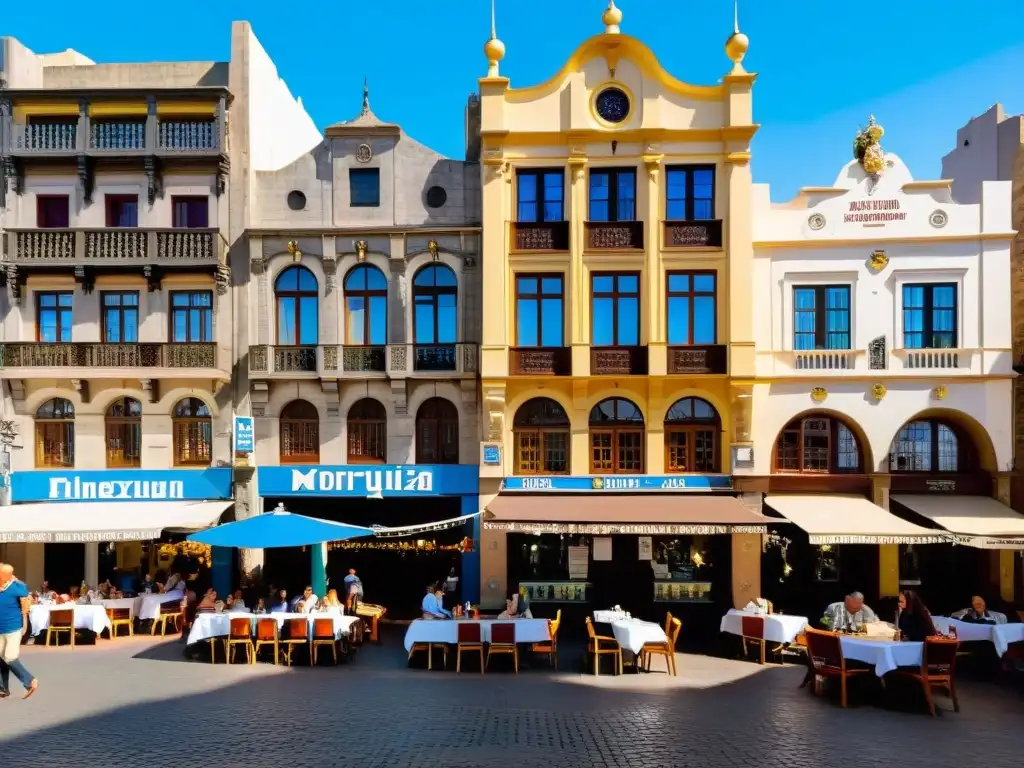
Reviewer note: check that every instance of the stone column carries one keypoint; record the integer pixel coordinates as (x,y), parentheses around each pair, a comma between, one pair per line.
(92,564)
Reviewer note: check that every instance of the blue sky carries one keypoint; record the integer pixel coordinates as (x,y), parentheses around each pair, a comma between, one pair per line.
(923,67)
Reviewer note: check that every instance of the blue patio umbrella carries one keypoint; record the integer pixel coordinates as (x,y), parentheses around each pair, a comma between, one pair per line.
(278,529)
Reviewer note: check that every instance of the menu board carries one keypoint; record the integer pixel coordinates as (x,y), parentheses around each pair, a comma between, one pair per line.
(602,548)
(579,562)
(645,548)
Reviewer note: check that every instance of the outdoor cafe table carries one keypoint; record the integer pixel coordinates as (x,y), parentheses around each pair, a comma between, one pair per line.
(1000,635)
(778,627)
(91,617)
(211,625)
(446,632)
(634,634)
(884,655)
(122,602)
(148,606)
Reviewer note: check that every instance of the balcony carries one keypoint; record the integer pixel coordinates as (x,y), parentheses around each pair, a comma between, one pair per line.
(615,235)
(67,136)
(113,247)
(97,360)
(837,363)
(707,359)
(540,361)
(117,135)
(693,234)
(188,136)
(618,361)
(47,136)
(946,361)
(333,361)
(540,236)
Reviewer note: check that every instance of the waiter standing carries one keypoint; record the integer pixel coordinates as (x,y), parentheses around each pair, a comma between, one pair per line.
(14,603)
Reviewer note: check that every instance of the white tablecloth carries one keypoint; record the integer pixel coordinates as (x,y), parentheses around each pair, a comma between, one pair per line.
(148,606)
(883,655)
(1000,635)
(91,617)
(633,634)
(778,628)
(446,630)
(123,602)
(607,617)
(209,625)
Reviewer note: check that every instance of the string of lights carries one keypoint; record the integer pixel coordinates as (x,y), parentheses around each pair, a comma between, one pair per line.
(381,532)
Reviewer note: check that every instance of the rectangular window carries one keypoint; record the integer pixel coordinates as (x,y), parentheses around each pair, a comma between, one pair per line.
(613,195)
(364,187)
(821,317)
(615,309)
(190,212)
(691,308)
(120,317)
(690,193)
(539,196)
(122,210)
(539,318)
(191,317)
(53,317)
(53,212)
(930,316)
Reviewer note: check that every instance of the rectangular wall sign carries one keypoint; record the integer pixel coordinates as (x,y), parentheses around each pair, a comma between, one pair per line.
(616,483)
(104,485)
(370,481)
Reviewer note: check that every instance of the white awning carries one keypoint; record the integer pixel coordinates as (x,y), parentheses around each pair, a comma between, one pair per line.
(836,519)
(975,521)
(79,522)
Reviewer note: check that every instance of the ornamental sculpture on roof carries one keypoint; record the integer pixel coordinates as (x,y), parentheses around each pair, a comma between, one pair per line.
(867,149)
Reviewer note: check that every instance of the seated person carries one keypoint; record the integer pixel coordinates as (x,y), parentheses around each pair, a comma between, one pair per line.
(279,604)
(236,603)
(209,602)
(45,593)
(848,616)
(331,603)
(979,613)
(148,585)
(516,607)
(173,582)
(307,599)
(914,618)
(432,605)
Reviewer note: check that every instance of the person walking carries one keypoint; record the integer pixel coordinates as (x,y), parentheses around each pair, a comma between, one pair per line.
(14,602)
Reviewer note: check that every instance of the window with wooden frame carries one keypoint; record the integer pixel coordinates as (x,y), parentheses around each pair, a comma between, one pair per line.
(692,429)
(616,438)
(540,433)
(613,194)
(120,317)
(122,210)
(191,317)
(540,195)
(55,434)
(437,432)
(435,305)
(690,193)
(691,304)
(54,316)
(123,427)
(821,317)
(192,427)
(53,212)
(190,212)
(366,306)
(298,315)
(540,302)
(929,445)
(818,445)
(614,309)
(930,316)
(300,433)
(367,432)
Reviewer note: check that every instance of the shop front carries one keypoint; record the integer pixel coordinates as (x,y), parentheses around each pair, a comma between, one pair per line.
(650,544)
(72,526)
(427,522)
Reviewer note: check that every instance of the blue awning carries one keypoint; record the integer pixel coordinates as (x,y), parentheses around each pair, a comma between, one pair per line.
(278,529)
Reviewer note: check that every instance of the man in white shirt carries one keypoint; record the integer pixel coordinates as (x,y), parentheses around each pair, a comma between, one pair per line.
(306,602)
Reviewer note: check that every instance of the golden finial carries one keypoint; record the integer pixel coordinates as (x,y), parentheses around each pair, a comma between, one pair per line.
(738,43)
(612,17)
(494,49)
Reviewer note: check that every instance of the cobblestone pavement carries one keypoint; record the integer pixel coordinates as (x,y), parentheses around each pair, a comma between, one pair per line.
(135,702)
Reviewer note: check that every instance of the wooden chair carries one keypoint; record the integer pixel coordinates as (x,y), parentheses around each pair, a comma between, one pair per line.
(240,634)
(267,635)
(323,634)
(825,659)
(666,649)
(298,634)
(120,617)
(169,612)
(938,664)
(61,621)
(752,631)
(550,648)
(428,648)
(470,639)
(503,640)
(598,646)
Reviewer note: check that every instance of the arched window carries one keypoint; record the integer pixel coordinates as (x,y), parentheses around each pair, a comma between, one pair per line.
(928,445)
(616,438)
(300,433)
(193,432)
(55,434)
(435,318)
(692,427)
(819,445)
(541,434)
(123,424)
(366,306)
(367,432)
(298,316)
(437,432)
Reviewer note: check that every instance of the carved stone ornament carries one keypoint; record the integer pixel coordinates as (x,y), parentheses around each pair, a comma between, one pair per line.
(816,221)
(878,260)
(361,246)
(330,267)
(818,394)
(938,219)
(363,153)
(653,163)
(878,391)
(86,178)
(940,392)
(434,249)
(876,354)
(293,249)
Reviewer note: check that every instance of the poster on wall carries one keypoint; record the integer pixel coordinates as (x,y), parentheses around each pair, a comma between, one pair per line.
(602,548)
(645,548)
(579,562)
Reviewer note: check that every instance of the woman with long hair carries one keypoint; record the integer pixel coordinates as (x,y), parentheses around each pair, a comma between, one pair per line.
(915,619)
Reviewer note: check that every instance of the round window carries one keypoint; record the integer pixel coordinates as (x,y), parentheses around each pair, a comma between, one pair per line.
(612,105)
(296,200)
(436,197)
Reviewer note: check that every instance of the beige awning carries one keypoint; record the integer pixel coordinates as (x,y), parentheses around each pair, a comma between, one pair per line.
(975,521)
(837,519)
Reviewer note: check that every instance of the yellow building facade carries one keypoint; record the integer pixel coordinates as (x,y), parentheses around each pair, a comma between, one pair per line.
(617,333)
